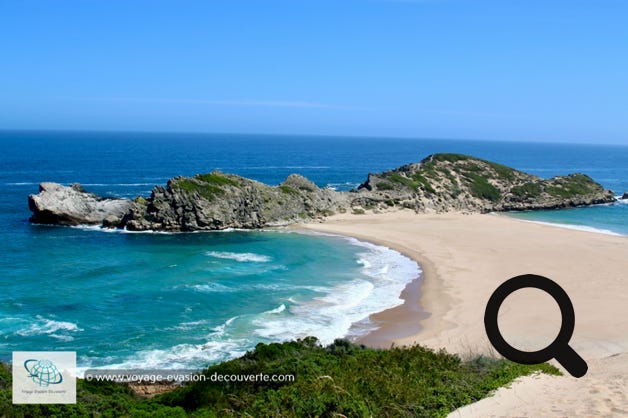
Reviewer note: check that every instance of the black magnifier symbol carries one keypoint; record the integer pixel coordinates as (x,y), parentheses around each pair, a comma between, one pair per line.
(559,348)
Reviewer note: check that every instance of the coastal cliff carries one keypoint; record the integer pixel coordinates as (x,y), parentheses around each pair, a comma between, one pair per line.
(439,183)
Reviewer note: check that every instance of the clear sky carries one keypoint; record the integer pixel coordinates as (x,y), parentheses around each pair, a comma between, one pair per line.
(505,69)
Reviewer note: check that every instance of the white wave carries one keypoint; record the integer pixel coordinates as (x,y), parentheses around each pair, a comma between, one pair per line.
(277,310)
(178,357)
(241,257)
(212,288)
(341,186)
(220,329)
(364,262)
(92,228)
(45,326)
(184,326)
(65,338)
(334,314)
(337,311)
(120,230)
(272,286)
(21,183)
(574,227)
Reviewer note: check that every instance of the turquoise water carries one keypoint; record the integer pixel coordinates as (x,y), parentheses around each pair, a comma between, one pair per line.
(187,300)
(610,219)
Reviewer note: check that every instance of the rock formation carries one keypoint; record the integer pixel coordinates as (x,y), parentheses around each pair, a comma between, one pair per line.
(214,201)
(446,182)
(220,201)
(57,204)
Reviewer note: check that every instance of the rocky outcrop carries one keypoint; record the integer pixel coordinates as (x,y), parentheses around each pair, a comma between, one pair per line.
(456,182)
(61,205)
(214,201)
(219,201)
(624,196)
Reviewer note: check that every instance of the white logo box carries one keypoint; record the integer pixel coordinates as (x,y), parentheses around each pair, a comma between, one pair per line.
(44,377)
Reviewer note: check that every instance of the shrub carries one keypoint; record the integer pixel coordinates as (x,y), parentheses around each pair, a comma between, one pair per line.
(341,378)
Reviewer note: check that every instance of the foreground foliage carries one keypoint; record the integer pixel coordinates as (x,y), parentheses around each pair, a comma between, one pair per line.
(342,378)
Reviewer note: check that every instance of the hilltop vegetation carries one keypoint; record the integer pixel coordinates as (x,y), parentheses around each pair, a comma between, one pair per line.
(342,379)
(446,182)
(439,183)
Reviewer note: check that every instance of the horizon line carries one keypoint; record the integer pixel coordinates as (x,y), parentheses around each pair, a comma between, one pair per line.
(311,135)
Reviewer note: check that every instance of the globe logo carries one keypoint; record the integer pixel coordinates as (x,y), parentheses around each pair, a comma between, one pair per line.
(43,372)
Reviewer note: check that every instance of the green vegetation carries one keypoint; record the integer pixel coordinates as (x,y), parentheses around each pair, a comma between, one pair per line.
(216,179)
(141,200)
(94,399)
(481,188)
(470,165)
(384,185)
(206,190)
(452,158)
(341,378)
(358,211)
(417,181)
(206,185)
(424,182)
(527,190)
(398,178)
(572,186)
(501,170)
(288,190)
(504,172)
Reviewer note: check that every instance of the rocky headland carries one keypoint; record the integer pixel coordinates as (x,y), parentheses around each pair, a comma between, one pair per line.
(440,183)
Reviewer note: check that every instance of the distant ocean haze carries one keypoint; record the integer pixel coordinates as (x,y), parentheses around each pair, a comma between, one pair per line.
(187,300)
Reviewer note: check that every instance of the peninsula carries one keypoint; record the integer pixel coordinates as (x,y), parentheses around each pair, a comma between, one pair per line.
(440,183)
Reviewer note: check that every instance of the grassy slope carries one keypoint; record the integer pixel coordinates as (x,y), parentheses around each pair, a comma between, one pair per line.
(342,378)
(476,174)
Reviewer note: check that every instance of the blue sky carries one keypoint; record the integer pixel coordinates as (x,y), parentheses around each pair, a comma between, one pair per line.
(504,70)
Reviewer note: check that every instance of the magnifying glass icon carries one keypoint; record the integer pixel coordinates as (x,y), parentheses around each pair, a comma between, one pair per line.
(559,348)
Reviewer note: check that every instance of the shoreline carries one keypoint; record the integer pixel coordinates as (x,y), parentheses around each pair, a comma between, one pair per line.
(465,257)
(414,309)
(396,323)
(574,227)
(399,322)
(392,323)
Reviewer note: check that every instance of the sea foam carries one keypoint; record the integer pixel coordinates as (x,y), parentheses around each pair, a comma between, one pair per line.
(241,257)
(333,315)
(43,326)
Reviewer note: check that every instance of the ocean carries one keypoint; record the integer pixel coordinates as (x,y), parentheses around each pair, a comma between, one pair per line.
(156,300)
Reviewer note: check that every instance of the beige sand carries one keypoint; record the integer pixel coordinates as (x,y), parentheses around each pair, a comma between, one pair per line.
(465,257)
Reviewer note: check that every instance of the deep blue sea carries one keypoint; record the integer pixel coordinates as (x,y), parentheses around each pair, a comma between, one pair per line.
(187,300)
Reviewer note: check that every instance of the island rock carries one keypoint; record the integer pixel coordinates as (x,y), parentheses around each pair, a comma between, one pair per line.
(63,205)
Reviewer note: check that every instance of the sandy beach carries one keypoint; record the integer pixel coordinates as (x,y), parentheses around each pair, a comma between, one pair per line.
(465,257)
